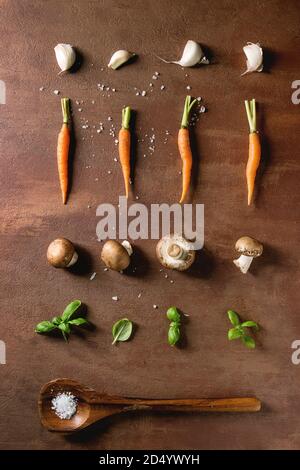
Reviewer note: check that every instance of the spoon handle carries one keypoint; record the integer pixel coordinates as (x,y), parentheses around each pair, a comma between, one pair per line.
(247,404)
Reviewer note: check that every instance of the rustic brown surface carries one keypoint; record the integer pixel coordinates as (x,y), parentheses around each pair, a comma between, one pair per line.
(32,215)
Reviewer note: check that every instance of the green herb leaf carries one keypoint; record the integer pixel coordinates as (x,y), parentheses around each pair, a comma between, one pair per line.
(173,314)
(235,333)
(173,334)
(233,317)
(248,341)
(45,327)
(250,324)
(78,321)
(121,330)
(56,320)
(70,310)
(64,327)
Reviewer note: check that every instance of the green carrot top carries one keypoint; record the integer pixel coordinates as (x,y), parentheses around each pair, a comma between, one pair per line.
(126,114)
(187,109)
(251,114)
(65,106)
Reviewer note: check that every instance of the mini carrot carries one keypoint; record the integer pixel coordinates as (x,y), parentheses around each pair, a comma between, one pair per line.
(185,147)
(124,147)
(63,146)
(254,149)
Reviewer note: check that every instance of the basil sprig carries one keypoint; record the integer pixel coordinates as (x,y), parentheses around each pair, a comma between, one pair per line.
(64,322)
(239,332)
(174,329)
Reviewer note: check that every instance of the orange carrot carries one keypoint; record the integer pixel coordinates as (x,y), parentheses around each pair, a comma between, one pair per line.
(254,149)
(124,147)
(185,148)
(63,146)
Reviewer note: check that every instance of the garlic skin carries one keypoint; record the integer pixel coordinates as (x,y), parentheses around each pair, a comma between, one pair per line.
(65,56)
(192,55)
(119,58)
(254,55)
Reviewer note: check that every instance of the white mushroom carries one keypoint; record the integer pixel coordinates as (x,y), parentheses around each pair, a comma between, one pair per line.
(61,253)
(175,252)
(248,248)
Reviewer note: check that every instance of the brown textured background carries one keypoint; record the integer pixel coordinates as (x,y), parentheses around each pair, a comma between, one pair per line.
(32,215)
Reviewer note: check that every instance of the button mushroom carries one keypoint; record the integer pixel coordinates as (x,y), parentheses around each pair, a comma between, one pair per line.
(248,248)
(61,253)
(174,252)
(116,255)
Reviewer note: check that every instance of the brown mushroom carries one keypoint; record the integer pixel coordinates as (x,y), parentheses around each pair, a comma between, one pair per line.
(116,255)
(174,252)
(248,248)
(61,253)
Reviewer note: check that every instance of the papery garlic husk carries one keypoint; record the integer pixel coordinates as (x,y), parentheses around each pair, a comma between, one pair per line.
(254,54)
(65,56)
(119,58)
(192,55)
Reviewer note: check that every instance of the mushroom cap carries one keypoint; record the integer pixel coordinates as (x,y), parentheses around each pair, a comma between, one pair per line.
(115,256)
(60,252)
(168,252)
(248,246)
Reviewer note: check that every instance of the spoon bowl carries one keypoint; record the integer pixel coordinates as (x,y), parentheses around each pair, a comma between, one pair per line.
(93,406)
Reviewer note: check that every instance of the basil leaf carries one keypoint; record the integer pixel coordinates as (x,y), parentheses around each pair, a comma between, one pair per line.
(235,333)
(44,327)
(78,321)
(56,320)
(250,324)
(64,327)
(70,310)
(173,315)
(121,330)
(248,341)
(173,335)
(233,317)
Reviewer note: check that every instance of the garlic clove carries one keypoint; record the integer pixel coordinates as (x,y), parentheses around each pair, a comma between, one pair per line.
(192,55)
(119,58)
(254,55)
(65,56)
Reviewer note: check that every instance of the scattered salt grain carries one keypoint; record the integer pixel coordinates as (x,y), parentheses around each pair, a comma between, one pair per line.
(56,92)
(139,295)
(64,405)
(150,84)
(144,93)
(188,87)
(162,87)
(155,306)
(115,298)
(105,269)
(93,276)
(42,88)
(137,93)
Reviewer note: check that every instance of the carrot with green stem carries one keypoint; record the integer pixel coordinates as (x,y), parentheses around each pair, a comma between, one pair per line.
(254,149)
(63,147)
(185,147)
(124,147)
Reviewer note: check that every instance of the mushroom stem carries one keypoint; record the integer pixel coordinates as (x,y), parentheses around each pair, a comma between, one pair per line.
(176,251)
(243,263)
(73,259)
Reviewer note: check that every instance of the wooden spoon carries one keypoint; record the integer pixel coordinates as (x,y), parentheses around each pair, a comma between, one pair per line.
(93,406)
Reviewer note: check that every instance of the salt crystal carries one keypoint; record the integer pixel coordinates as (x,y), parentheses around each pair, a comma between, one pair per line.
(64,405)
(42,88)
(115,298)
(56,92)
(162,87)
(188,87)
(144,93)
(155,306)
(93,276)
